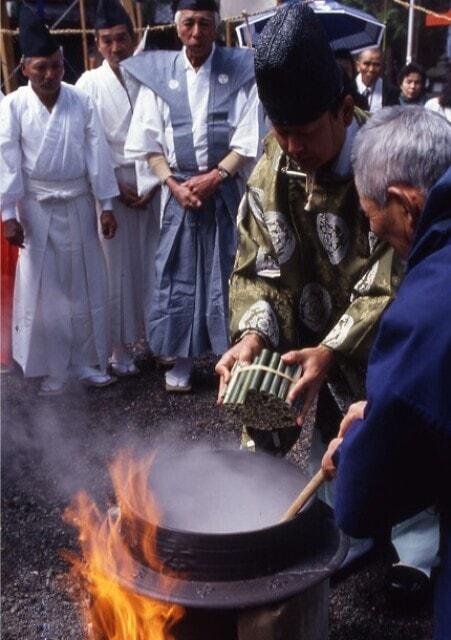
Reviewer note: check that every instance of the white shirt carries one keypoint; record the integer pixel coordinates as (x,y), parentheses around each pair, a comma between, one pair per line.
(64,145)
(434,105)
(115,103)
(151,129)
(375,96)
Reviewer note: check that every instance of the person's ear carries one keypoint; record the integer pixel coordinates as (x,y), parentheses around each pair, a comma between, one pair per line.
(411,203)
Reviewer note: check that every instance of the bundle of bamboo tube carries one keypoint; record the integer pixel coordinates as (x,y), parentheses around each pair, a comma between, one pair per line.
(259,392)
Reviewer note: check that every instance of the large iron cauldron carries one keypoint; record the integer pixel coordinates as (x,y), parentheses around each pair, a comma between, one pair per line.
(220,534)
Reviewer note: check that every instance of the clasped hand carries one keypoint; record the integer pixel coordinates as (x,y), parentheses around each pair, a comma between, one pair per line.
(196,190)
(130,197)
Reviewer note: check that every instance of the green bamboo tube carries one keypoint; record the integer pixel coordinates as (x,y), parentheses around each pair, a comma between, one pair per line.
(256,362)
(246,381)
(227,386)
(285,384)
(269,375)
(296,375)
(264,359)
(231,383)
(237,387)
(248,377)
(274,389)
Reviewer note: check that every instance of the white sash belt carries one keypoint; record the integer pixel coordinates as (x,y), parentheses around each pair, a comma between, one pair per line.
(44,190)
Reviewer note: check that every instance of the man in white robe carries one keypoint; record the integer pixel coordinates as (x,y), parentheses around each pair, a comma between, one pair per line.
(197,121)
(130,255)
(53,157)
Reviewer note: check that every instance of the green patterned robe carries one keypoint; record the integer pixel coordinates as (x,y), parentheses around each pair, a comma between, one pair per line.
(308,270)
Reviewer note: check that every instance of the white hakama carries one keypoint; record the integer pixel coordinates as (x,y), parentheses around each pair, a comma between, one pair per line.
(130,256)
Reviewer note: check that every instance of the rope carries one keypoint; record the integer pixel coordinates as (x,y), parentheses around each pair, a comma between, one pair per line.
(262,367)
(72,32)
(429,12)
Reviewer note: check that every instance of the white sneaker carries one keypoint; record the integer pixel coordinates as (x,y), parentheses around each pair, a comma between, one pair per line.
(51,386)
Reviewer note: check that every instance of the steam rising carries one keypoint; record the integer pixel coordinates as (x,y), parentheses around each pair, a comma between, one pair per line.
(196,488)
(209,491)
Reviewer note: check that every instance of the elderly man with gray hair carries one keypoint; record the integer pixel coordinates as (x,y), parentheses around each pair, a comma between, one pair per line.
(394,451)
(196,121)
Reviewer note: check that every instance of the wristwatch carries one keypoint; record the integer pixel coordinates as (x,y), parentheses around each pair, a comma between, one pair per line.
(223,172)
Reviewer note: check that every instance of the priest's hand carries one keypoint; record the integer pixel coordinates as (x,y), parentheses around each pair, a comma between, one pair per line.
(141,202)
(13,232)
(205,184)
(316,363)
(130,197)
(108,224)
(244,352)
(128,194)
(355,412)
(183,194)
(327,463)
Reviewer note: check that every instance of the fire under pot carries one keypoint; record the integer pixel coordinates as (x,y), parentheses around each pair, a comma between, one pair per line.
(230,562)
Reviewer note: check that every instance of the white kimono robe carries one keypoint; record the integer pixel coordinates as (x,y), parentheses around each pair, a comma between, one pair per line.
(130,255)
(49,165)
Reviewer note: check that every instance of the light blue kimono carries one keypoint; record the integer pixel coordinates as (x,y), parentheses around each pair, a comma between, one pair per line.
(189,311)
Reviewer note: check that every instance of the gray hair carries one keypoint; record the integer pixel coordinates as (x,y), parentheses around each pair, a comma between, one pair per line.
(358,57)
(216,18)
(408,145)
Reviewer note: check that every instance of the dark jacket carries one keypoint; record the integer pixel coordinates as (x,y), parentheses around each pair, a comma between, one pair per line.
(390,94)
(397,461)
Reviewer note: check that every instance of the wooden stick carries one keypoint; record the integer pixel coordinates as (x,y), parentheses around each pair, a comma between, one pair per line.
(229,33)
(139,16)
(7,58)
(310,488)
(84,38)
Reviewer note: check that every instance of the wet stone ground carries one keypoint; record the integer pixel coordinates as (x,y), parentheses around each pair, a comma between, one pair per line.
(51,448)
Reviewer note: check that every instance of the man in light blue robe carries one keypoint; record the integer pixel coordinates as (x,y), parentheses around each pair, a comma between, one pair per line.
(196,120)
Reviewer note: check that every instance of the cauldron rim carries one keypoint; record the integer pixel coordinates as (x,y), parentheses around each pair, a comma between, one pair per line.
(231,534)
(244,593)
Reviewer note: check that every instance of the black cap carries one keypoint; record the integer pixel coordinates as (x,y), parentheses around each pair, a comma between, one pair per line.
(195,5)
(110,13)
(297,76)
(34,37)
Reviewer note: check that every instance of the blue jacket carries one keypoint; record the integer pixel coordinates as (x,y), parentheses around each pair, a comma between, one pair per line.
(397,460)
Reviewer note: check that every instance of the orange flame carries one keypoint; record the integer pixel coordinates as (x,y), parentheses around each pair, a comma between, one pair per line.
(115,612)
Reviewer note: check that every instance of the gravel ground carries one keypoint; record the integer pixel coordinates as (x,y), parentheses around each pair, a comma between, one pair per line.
(53,447)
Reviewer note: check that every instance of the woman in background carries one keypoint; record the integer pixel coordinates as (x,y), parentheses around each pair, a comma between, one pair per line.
(411,82)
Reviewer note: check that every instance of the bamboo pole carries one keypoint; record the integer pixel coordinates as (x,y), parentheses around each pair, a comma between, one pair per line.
(307,492)
(229,33)
(7,60)
(84,37)
(129,6)
(139,16)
